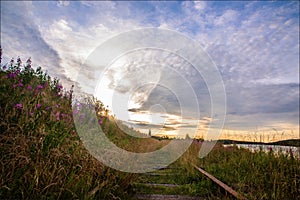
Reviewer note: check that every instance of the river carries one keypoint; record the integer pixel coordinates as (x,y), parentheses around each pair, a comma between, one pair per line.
(287,150)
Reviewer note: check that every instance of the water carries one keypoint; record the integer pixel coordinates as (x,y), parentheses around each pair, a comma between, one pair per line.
(277,149)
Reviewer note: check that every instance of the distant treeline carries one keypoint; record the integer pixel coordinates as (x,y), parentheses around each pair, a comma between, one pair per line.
(291,142)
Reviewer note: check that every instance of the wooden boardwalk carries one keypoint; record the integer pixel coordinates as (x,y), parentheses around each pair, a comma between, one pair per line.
(156,186)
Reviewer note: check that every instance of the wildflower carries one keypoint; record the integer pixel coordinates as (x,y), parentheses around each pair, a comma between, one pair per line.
(18,71)
(19,106)
(48,108)
(19,61)
(15,85)
(12,75)
(57,116)
(28,63)
(38,106)
(75,112)
(39,87)
(79,106)
(58,86)
(31,114)
(20,85)
(100,121)
(29,87)
(82,116)
(63,115)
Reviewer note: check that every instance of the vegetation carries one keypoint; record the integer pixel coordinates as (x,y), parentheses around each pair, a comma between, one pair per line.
(257,175)
(42,156)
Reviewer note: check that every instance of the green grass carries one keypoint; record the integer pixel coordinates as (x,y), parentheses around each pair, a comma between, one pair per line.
(258,175)
(254,175)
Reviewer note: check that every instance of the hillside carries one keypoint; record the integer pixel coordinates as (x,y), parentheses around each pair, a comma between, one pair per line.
(42,157)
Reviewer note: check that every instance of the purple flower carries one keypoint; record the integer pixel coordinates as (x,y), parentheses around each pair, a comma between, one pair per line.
(58,86)
(63,115)
(29,87)
(79,106)
(48,108)
(19,106)
(38,106)
(39,87)
(20,85)
(57,116)
(31,114)
(18,71)
(82,116)
(100,121)
(15,85)
(75,112)
(12,75)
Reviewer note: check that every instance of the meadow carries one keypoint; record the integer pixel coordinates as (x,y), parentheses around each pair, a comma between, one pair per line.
(42,156)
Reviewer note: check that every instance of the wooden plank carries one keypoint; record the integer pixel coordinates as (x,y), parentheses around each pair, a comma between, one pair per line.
(165,197)
(220,183)
(159,185)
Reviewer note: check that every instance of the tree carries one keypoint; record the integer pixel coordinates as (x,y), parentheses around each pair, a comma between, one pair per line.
(187,136)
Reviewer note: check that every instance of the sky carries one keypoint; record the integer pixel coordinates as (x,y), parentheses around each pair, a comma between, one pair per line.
(253,44)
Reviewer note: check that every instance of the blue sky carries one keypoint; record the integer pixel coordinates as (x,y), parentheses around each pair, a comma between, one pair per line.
(255,46)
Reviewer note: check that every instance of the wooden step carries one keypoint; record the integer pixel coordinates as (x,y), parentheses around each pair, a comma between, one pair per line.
(165,197)
(159,185)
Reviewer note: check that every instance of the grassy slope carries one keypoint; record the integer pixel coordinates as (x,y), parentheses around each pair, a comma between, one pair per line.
(41,154)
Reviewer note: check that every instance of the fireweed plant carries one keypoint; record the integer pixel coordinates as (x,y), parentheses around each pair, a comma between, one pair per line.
(42,157)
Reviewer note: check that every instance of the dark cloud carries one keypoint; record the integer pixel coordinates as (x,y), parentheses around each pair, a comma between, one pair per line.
(280,98)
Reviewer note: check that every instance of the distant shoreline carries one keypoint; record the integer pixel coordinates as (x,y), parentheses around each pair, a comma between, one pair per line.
(290,142)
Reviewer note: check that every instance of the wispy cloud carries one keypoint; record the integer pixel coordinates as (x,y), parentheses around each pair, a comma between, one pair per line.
(255,46)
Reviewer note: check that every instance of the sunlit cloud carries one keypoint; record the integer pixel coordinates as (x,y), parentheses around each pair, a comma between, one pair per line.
(255,46)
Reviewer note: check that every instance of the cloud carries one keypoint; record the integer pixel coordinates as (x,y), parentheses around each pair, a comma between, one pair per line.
(63,3)
(226,18)
(200,5)
(25,40)
(253,44)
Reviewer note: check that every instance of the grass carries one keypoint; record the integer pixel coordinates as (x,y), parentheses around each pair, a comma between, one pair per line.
(42,156)
(257,175)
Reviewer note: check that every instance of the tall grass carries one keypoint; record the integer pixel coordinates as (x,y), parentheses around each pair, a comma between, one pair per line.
(257,175)
(42,156)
